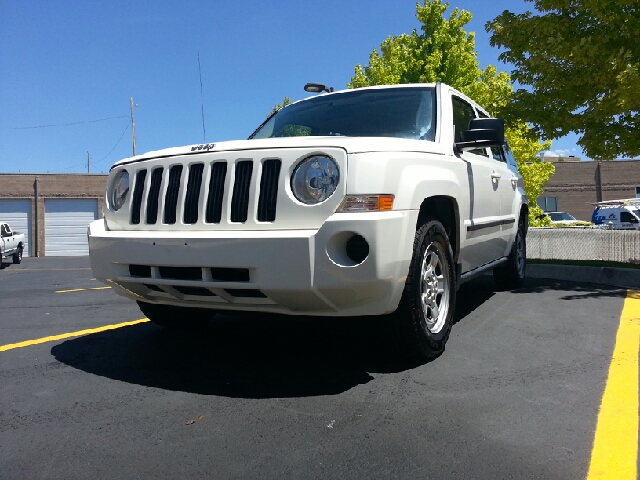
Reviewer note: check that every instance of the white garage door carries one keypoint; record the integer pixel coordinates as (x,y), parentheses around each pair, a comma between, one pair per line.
(65,226)
(17,213)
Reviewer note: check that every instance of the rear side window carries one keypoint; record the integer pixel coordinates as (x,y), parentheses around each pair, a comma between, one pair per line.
(511,160)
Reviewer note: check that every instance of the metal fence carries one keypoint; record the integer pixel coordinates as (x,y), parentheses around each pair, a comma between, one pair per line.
(583,244)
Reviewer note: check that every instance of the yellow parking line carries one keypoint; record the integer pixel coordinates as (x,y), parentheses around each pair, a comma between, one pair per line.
(615,447)
(11,346)
(81,289)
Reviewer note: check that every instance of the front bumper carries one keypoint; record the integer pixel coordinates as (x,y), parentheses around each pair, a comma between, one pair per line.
(305,272)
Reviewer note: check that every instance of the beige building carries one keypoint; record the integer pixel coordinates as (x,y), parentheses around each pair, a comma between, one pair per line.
(577,185)
(52,210)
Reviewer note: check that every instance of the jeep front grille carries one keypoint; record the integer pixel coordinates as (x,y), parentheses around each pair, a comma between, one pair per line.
(182,188)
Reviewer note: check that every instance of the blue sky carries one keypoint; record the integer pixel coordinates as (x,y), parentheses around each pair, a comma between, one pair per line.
(68,63)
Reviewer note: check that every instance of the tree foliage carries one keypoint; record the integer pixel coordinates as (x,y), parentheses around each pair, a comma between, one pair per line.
(444,52)
(581,60)
(279,106)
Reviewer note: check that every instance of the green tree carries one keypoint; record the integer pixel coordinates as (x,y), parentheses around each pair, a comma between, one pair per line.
(289,130)
(444,52)
(279,106)
(581,61)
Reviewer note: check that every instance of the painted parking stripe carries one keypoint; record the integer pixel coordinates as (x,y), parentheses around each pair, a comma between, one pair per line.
(81,289)
(53,338)
(615,447)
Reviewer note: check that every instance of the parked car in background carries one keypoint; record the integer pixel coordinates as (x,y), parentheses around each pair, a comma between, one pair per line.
(619,214)
(563,218)
(11,244)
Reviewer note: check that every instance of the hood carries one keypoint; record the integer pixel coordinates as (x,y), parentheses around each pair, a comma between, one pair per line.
(349,144)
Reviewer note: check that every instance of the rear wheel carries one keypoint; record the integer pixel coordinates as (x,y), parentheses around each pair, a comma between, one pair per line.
(17,257)
(423,319)
(176,317)
(511,274)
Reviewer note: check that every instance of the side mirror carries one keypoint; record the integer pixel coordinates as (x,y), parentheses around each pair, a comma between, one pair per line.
(482,133)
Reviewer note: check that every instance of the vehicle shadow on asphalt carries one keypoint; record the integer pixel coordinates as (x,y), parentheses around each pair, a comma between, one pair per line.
(251,355)
(579,291)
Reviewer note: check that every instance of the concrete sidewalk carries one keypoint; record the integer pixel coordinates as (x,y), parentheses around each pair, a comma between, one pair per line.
(615,277)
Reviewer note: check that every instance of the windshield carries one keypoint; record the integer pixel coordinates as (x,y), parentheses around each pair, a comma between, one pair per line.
(389,112)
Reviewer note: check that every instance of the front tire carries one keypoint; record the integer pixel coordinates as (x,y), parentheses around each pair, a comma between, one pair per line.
(511,275)
(424,316)
(170,316)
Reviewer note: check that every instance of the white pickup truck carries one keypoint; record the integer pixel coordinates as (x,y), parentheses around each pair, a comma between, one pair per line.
(374,201)
(11,244)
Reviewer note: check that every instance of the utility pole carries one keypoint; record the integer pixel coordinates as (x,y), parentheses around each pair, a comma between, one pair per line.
(133,126)
(88,162)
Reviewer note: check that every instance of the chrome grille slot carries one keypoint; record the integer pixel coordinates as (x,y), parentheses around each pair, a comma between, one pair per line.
(216,192)
(240,198)
(154,195)
(268,190)
(171,197)
(191,204)
(138,190)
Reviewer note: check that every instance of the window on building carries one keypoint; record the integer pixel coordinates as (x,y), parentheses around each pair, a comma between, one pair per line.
(548,204)
(637,192)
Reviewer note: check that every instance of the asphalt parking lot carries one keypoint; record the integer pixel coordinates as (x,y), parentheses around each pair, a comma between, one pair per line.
(515,395)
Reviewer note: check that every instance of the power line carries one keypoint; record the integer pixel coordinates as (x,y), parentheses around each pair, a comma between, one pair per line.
(85,164)
(66,124)
(114,147)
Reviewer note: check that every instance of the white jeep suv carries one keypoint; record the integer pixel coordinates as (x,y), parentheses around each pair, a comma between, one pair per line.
(374,201)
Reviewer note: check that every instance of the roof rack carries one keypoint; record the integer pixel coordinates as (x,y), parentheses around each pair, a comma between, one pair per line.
(622,202)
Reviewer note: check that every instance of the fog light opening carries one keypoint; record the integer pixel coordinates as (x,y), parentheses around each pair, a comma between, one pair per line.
(357,249)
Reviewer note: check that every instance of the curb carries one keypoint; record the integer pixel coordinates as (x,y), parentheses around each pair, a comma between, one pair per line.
(615,277)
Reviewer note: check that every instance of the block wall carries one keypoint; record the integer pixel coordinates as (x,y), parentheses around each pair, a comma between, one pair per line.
(25,186)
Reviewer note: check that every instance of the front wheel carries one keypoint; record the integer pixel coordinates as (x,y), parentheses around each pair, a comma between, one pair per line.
(176,317)
(423,319)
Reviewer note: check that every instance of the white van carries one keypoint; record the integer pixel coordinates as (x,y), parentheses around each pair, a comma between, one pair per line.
(620,214)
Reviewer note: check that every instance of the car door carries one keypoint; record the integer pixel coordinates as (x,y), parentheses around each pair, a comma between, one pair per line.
(511,187)
(6,240)
(484,241)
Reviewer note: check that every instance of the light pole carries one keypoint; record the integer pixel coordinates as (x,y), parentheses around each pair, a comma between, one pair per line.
(133,125)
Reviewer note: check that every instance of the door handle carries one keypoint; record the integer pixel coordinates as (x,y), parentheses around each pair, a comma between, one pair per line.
(496,176)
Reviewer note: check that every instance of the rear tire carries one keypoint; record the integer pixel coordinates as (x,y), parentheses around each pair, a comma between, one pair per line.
(170,316)
(511,275)
(424,316)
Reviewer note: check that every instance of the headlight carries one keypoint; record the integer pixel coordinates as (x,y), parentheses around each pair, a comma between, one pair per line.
(315,179)
(119,190)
